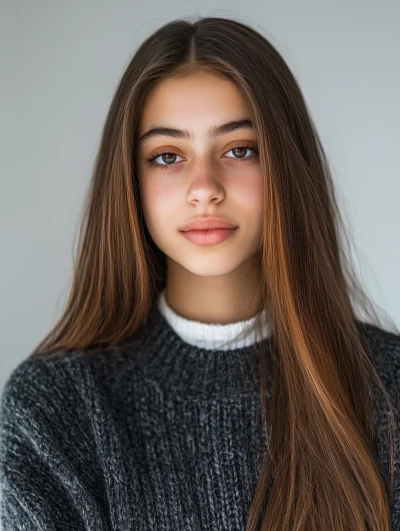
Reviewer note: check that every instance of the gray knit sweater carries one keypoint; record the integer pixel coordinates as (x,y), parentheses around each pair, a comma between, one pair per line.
(157,434)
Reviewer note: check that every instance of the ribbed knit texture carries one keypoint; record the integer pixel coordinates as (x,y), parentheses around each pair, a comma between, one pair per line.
(158,434)
(213,336)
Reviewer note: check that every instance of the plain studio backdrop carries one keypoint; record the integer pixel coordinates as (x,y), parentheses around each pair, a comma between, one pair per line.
(60,65)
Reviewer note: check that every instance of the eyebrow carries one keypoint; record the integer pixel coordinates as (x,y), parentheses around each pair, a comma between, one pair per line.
(218,130)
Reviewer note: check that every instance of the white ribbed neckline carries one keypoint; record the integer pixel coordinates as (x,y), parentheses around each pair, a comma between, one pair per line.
(213,336)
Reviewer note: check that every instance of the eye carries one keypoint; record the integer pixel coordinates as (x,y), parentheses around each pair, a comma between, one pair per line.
(241,148)
(170,154)
(167,155)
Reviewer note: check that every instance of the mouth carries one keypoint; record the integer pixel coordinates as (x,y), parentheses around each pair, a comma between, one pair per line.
(210,229)
(209,236)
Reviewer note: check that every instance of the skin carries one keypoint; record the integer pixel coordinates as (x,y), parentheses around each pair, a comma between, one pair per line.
(219,283)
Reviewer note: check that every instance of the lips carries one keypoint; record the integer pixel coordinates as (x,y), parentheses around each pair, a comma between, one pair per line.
(209,230)
(208,237)
(205,224)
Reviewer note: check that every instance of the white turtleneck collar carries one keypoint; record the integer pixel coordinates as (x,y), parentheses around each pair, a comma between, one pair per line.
(212,336)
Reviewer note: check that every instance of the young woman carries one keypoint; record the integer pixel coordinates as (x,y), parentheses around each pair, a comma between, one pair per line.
(209,371)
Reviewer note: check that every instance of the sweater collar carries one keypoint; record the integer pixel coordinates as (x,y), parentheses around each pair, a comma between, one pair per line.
(213,336)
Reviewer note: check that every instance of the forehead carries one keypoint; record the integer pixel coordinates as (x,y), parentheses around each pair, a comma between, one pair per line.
(196,99)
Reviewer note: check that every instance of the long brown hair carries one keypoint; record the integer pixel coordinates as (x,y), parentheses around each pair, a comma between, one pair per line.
(318,470)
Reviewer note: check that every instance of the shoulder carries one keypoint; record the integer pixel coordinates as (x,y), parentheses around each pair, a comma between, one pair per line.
(33,381)
(44,413)
(48,459)
(38,401)
(45,398)
(57,391)
(385,349)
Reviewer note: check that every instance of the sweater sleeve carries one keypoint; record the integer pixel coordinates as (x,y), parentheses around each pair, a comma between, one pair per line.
(43,465)
(396,476)
(387,361)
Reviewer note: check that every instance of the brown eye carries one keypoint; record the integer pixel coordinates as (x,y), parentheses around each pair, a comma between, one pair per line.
(166,157)
(240,150)
(169,161)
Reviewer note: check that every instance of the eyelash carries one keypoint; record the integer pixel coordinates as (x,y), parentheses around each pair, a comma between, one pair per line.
(158,166)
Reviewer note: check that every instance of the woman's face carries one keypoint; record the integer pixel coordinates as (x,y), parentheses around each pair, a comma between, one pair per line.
(200,175)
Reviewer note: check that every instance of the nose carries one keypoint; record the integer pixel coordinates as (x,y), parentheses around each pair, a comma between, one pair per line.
(205,187)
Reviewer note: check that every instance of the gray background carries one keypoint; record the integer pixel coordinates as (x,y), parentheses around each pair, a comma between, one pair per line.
(60,63)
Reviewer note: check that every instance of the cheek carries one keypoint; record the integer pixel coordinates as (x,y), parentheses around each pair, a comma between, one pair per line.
(250,192)
(158,204)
